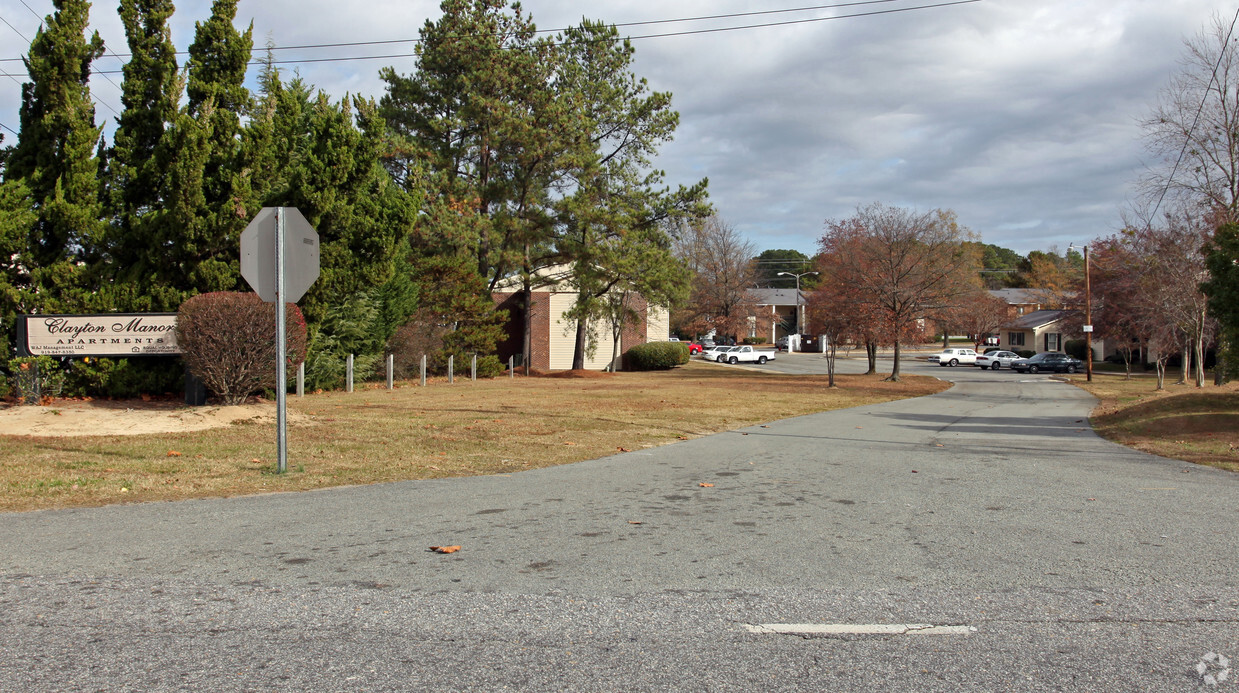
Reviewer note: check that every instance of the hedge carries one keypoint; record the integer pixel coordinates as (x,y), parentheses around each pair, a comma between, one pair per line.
(657,356)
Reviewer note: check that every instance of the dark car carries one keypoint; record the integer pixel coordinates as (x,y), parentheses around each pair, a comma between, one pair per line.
(1048,361)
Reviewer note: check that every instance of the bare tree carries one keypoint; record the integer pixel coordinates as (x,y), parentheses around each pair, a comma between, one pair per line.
(1194,128)
(723,273)
(906,265)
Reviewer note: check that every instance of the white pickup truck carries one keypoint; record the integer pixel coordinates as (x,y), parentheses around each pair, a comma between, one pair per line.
(747,354)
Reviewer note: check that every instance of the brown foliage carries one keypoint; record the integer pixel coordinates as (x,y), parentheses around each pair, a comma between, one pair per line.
(227,340)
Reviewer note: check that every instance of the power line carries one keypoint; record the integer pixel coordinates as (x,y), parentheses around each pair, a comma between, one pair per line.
(733,15)
(690,32)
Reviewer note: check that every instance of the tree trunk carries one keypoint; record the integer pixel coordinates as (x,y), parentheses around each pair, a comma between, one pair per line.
(1199,344)
(578,351)
(1186,365)
(894,376)
(1161,374)
(832,353)
(527,287)
(871,352)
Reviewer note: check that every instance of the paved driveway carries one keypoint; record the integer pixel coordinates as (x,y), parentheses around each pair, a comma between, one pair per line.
(1048,559)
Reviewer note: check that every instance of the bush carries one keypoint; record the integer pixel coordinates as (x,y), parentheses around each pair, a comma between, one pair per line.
(1076,348)
(35,378)
(1026,353)
(754,340)
(227,340)
(490,366)
(123,377)
(657,356)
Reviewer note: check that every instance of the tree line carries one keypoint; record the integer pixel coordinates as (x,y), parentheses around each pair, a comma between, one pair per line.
(503,153)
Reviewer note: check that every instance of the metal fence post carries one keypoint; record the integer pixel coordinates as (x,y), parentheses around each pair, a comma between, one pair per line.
(511,367)
(423,370)
(451,369)
(391,371)
(301,379)
(473,369)
(348,386)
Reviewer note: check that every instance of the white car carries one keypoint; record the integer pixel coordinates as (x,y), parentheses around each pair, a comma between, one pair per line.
(713,353)
(954,357)
(997,359)
(747,354)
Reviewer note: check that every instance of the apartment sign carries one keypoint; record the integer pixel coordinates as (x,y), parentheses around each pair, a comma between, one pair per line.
(106,334)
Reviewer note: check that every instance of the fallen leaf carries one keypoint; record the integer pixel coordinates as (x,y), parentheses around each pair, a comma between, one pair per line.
(255,461)
(744,434)
(705,485)
(622,449)
(445,549)
(764,426)
(1092,499)
(173,453)
(431,466)
(635,522)
(915,472)
(569,442)
(682,437)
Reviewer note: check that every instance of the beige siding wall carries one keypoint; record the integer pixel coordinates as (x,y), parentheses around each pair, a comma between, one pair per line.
(658,325)
(563,337)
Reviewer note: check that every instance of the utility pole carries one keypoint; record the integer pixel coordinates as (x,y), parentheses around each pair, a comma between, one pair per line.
(799,303)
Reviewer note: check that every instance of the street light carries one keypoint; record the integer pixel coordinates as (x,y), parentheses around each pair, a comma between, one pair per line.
(1088,315)
(799,308)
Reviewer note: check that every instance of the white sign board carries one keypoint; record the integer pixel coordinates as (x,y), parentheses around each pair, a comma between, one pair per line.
(1088,328)
(107,334)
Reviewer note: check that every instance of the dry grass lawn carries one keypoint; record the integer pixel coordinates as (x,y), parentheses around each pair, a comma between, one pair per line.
(1199,425)
(376,435)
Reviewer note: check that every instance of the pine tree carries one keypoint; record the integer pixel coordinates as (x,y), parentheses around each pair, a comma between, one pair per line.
(136,167)
(55,157)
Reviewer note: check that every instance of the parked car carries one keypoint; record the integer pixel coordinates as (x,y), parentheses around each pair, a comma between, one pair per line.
(954,357)
(694,348)
(710,353)
(724,352)
(747,354)
(997,359)
(1054,361)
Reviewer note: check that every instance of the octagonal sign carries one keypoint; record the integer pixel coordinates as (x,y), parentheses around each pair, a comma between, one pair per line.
(300,254)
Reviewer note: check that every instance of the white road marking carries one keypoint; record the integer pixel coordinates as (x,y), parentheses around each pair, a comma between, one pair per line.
(858,629)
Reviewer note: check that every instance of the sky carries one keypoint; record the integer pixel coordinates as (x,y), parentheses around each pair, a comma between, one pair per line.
(1022,116)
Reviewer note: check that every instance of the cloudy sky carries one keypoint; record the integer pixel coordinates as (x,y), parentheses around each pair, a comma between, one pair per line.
(1021,115)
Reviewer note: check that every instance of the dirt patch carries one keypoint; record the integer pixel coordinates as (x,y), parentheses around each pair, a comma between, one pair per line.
(126,418)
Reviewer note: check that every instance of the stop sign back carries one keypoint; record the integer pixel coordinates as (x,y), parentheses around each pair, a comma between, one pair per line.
(258,257)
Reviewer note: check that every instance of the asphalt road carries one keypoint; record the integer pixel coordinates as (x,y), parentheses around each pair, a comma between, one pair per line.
(1048,558)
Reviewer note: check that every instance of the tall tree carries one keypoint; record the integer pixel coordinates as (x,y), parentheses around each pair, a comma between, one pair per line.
(770,263)
(613,219)
(55,156)
(908,265)
(201,227)
(1222,288)
(721,262)
(135,168)
(1194,128)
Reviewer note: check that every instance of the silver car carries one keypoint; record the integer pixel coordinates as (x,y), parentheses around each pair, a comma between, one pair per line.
(996,359)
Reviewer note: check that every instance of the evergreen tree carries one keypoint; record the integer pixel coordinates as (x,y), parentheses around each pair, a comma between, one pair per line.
(207,196)
(135,166)
(614,219)
(55,157)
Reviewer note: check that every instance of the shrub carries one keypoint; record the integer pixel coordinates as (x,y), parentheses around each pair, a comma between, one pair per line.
(34,378)
(1075,348)
(352,326)
(489,366)
(754,340)
(657,356)
(123,377)
(227,340)
(1026,353)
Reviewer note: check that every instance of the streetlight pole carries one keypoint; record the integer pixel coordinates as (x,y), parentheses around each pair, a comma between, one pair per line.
(1088,316)
(798,302)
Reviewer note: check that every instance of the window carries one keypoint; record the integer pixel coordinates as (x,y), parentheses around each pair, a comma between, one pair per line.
(1015,338)
(1052,341)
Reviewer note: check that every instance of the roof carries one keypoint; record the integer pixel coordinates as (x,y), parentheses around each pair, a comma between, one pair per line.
(775,297)
(1017,297)
(1037,318)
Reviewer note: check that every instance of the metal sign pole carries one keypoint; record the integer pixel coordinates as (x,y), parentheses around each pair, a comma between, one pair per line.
(281,355)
